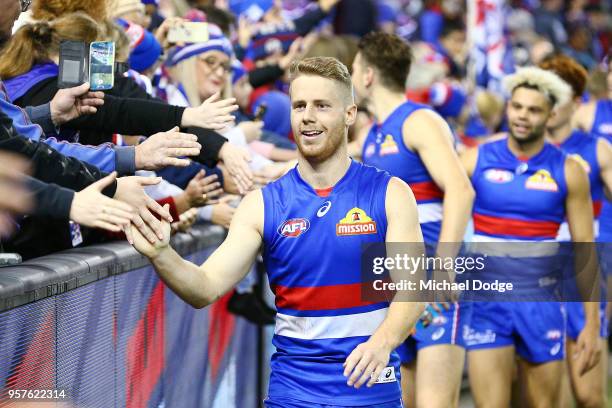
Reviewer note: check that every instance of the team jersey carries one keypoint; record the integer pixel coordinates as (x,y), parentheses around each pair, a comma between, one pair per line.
(583,147)
(384,148)
(312,246)
(602,126)
(519,202)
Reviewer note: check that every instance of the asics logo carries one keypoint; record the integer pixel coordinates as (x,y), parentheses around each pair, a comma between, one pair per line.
(324,209)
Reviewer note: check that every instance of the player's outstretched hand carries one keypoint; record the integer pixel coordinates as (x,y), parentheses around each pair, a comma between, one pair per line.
(143,245)
(588,350)
(366,363)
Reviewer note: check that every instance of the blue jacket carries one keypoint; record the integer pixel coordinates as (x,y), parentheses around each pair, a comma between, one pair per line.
(106,156)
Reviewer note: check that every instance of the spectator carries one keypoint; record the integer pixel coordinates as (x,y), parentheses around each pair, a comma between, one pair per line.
(549,22)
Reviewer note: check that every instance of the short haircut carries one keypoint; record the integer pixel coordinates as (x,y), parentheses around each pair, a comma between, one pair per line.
(390,55)
(545,82)
(569,70)
(325,67)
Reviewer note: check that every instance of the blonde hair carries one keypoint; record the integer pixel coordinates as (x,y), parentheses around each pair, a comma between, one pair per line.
(185,72)
(38,42)
(325,67)
(546,82)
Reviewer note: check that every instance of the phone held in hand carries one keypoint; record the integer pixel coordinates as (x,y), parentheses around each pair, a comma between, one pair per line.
(72,64)
(102,65)
(188,32)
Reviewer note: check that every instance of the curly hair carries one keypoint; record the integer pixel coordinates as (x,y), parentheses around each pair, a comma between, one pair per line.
(545,82)
(568,70)
(46,10)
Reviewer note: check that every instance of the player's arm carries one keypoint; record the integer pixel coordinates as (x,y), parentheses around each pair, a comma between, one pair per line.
(468,159)
(584,116)
(369,359)
(579,209)
(604,159)
(202,285)
(432,140)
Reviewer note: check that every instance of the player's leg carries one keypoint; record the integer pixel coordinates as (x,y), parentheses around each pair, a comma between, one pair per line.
(439,372)
(441,345)
(566,398)
(541,337)
(542,382)
(490,346)
(407,354)
(490,372)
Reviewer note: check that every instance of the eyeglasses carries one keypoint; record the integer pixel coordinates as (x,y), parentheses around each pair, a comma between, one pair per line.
(213,64)
(25,5)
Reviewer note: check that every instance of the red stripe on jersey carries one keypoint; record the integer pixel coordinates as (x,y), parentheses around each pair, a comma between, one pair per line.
(597,208)
(507,226)
(426,190)
(320,297)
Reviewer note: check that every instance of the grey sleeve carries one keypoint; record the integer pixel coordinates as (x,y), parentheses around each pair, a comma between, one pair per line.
(125,160)
(41,115)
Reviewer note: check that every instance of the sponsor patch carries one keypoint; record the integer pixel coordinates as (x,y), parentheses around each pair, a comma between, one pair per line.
(499,176)
(369,150)
(541,180)
(555,349)
(387,376)
(437,335)
(324,209)
(294,227)
(388,146)
(553,334)
(356,222)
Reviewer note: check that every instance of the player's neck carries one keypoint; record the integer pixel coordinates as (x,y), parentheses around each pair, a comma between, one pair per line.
(560,134)
(527,149)
(327,173)
(384,101)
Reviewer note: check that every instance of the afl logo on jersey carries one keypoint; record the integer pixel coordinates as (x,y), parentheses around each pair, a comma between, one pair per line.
(356,222)
(324,209)
(542,180)
(294,227)
(499,176)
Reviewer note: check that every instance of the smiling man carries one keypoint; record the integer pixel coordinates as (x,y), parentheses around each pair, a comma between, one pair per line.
(525,188)
(330,341)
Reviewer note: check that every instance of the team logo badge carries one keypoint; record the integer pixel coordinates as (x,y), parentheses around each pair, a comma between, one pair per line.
(369,150)
(356,222)
(388,146)
(585,165)
(499,176)
(542,180)
(324,209)
(553,334)
(294,227)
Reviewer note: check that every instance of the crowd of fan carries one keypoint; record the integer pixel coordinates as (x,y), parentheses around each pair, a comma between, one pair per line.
(168,140)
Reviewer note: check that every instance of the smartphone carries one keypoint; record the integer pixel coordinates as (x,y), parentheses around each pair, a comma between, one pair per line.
(188,32)
(260,112)
(102,65)
(72,64)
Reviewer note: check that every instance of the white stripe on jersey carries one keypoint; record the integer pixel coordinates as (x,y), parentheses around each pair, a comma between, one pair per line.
(429,212)
(515,248)
(329,327)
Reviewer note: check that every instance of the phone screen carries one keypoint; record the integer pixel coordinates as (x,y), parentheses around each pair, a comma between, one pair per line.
(72,64)
(102,65)
(188,32)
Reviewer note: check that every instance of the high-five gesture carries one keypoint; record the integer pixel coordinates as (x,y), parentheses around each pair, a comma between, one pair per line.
(213,113)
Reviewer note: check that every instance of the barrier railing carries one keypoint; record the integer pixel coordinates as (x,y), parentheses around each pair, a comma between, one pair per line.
(96,327)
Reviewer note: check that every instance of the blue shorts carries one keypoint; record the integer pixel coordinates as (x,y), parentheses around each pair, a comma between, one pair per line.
(293,403)
(574,312)
(447,328)
(536,329)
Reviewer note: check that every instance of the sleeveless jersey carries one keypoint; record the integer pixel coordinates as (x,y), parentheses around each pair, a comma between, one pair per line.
(519,202)
(583,147)
(602,126)
(312,253)
(384,148)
